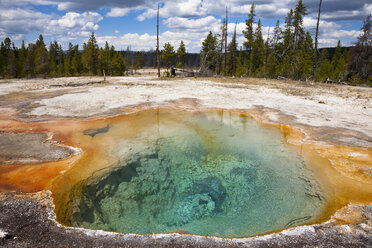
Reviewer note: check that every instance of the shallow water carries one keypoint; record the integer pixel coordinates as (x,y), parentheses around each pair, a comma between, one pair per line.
(215,173)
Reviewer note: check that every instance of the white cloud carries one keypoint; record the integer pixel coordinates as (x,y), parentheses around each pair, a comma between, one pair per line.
(178,8)
(185,25)
(85,21)
(117,12)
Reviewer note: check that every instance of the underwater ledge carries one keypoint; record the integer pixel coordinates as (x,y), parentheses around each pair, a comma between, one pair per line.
(28,220)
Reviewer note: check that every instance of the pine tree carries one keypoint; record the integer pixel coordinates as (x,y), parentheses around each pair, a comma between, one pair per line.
(30,60)
(68,61)
(299,32)
(325,69)
(304,59)
(272,66)
(21,61)
(140,60)
(2,59)
(75,61)
(181,53)
(249,38)
(41,58)
(249,32)
(60,61)
(104,58)
(359,68)
(338,64)
(257,57)
(10,66)
(287,48)
(90,56)
(241,67)
(208,54)
(168,54)
(53,58)
(118,64)
(232,51)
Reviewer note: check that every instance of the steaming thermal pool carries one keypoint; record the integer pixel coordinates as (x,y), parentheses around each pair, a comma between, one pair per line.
(207,173)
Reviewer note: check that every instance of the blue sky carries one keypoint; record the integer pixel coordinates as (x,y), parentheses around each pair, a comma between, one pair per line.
(132,23)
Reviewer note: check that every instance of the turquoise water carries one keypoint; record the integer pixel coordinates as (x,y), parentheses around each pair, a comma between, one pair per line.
(207,174)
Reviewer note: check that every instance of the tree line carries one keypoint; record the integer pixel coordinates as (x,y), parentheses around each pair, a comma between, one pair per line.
(287,52)
(36,60)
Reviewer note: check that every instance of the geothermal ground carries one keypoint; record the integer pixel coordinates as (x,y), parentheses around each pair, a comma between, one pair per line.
(329,124)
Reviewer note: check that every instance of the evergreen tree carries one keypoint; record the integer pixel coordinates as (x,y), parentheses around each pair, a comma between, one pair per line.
(249,31)
(338,64)
(60,61)
(299,32)
(68,61)
(21,61)
(241,65)
(249,38)
(2,59)
(325,68)
(140,60)
(104,59)
(181,53)
(272,66)
(208,54)
(10,66)
(30,60)
(76,65)
(257,56)
(168,54)
(53,58)
(90,55)
(118,64)
(304,59)
(359,67)
(41,58)
(287,54)
(232,51)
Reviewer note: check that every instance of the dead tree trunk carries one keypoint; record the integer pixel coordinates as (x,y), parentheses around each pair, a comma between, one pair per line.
(315,62)
(267,51)
(226,23)
(233,55)
(157,41)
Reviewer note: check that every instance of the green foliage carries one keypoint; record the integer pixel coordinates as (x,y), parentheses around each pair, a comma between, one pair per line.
(249,32)
(41,58)
(208,54)
(240,65)
(359,67)
(257,56)
(36,60)
(232,48)
(181,53)
(168,54)
(118,65)
(140,60)
(90,56)
(338,64)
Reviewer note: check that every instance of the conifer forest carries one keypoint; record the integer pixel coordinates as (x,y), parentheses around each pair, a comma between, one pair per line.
(288,52)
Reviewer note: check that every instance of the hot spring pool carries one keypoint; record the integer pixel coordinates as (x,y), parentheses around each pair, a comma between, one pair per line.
(205,173)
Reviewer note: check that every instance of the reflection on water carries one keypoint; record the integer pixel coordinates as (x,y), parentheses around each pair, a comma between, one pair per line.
(207,173)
